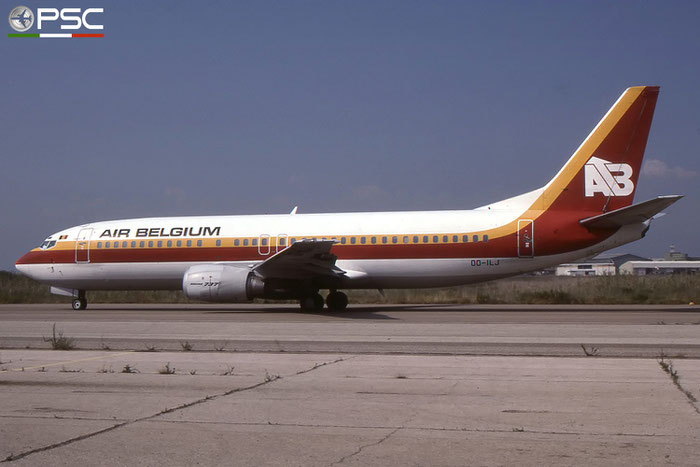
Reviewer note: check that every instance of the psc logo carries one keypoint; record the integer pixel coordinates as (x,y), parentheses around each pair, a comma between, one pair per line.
(22,18)
(608,178)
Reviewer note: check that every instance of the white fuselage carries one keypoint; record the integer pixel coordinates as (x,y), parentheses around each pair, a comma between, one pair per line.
(374,254)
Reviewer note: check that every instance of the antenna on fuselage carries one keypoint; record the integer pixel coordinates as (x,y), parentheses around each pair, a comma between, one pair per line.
(294,211)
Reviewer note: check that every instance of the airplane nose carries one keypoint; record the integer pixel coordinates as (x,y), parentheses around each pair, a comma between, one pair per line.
(22,265)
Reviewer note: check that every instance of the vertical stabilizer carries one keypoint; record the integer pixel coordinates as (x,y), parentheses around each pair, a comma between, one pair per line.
(602,174)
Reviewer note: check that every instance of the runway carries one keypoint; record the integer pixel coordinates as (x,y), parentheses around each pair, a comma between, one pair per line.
(550,330)
(376,385)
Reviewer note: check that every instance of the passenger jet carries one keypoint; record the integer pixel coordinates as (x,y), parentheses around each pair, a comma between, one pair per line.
(585,209)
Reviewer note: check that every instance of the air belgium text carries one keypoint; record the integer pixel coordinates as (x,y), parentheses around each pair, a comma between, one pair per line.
(164,232)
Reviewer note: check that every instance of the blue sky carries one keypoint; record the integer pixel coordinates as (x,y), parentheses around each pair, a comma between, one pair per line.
(255,107)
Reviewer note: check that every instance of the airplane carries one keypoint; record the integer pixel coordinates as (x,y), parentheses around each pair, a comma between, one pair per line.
(585,209)
(23,19)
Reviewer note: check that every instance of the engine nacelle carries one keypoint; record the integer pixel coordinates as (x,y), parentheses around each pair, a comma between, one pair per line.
(221,283)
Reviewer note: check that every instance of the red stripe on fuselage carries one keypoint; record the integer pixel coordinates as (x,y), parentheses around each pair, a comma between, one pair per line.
(554,232)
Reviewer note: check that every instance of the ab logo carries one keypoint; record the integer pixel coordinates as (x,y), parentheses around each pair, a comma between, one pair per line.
(607,178)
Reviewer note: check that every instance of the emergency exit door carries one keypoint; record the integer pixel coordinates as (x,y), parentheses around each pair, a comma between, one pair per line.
(526,238)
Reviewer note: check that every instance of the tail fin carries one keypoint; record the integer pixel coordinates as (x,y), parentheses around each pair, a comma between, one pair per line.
(602,174)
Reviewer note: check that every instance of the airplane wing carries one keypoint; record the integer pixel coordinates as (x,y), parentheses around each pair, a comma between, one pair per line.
(303,259)
(639,212)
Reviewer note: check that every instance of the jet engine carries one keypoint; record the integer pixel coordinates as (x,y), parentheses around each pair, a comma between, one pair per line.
(221,283)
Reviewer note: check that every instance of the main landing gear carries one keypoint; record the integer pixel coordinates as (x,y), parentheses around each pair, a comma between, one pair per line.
(336,301)
(80,302)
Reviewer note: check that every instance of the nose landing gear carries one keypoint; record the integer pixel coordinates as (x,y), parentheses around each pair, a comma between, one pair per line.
(80,302)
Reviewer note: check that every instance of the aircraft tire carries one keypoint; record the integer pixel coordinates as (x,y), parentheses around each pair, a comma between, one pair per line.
(337,301)
(318,302)
(312,303)
(79,304)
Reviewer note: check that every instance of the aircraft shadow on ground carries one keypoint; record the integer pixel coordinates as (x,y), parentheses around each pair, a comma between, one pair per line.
(363,312)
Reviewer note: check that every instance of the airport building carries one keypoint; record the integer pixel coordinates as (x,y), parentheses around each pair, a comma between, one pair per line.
(598,266)
(645,268)
(674,262)
(591,267)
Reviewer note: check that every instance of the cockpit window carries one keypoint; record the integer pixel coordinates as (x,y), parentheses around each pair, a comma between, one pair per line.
(48,244)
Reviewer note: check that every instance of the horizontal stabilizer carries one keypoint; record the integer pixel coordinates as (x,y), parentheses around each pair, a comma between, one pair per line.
(633,214)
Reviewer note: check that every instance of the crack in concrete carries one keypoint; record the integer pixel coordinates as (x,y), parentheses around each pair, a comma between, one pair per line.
(418,428)
(63,417)
(389,435)
(24,454)
(667,367)
(268,380)
(364,446)
(319,365)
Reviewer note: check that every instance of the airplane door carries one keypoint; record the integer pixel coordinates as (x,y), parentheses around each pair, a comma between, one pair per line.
(82,246)
(264,245)
(526,239)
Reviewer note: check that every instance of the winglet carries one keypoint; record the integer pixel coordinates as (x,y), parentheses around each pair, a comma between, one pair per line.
(294,211)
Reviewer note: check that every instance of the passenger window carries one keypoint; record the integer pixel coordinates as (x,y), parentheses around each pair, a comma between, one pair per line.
(108,244)
(142,244)
(425,239)
(374,240)
(475,238)
(455,238)
(415,239)
(160,243)
(189,242)
(405,239)
(116,244)
(384,240)
(179,243)
(245,242)
(435,239)
(486,238)
(363,240)
(465,238)
(292,241)
(218,242)
(394,239)
(282,241)
(199,243)
(353,240)
(236,242)
(445,239)
(263,241)
(170,243)
(99,244)
(125,244)
(133,244)
(343,240)
(254,242)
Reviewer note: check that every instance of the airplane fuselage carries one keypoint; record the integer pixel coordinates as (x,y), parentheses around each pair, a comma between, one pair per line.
(378,250)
